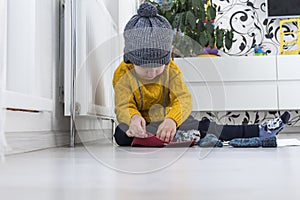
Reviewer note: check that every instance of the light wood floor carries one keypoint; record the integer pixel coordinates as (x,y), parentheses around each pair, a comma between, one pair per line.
(102,171)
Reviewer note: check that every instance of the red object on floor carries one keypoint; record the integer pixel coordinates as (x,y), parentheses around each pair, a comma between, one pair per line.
(153,141)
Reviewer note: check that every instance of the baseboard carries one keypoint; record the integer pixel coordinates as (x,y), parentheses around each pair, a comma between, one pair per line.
(21,142)
(83,136)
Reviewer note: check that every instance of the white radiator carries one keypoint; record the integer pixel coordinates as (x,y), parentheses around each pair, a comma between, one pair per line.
(98,51)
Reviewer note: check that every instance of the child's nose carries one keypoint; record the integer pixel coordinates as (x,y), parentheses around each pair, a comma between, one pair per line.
(151,73)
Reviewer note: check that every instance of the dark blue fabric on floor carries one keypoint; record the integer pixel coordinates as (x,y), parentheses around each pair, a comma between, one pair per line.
(245,142)
(210,140)
(253,142)
(269,142)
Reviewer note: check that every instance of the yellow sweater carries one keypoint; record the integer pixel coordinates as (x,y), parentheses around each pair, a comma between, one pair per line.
(166,96)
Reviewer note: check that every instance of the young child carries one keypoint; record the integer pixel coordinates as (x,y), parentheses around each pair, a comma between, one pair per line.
(150,94)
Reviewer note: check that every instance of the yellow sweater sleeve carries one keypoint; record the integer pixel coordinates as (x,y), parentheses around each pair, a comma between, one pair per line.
(125,106)
(180,97)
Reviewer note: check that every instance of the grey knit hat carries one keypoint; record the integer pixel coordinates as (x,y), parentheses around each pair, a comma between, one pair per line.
(148,38)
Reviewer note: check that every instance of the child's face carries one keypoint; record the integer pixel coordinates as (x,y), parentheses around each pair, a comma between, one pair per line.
(149,73)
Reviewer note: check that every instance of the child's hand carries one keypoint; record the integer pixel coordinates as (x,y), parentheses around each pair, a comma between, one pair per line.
(137,127)
(166,130)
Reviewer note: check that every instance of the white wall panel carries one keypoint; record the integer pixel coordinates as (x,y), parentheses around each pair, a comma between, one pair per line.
(228,68)
(29,102)
(231,83)
(21,33)
(288,67)
(234,96)
(32,49)
(28,122)
(289,95)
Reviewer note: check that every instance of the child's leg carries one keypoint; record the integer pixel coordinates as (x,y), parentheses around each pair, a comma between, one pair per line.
(223,132)
(264,130)
(120,135)
(192,124)
(229,132)
(185,132)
